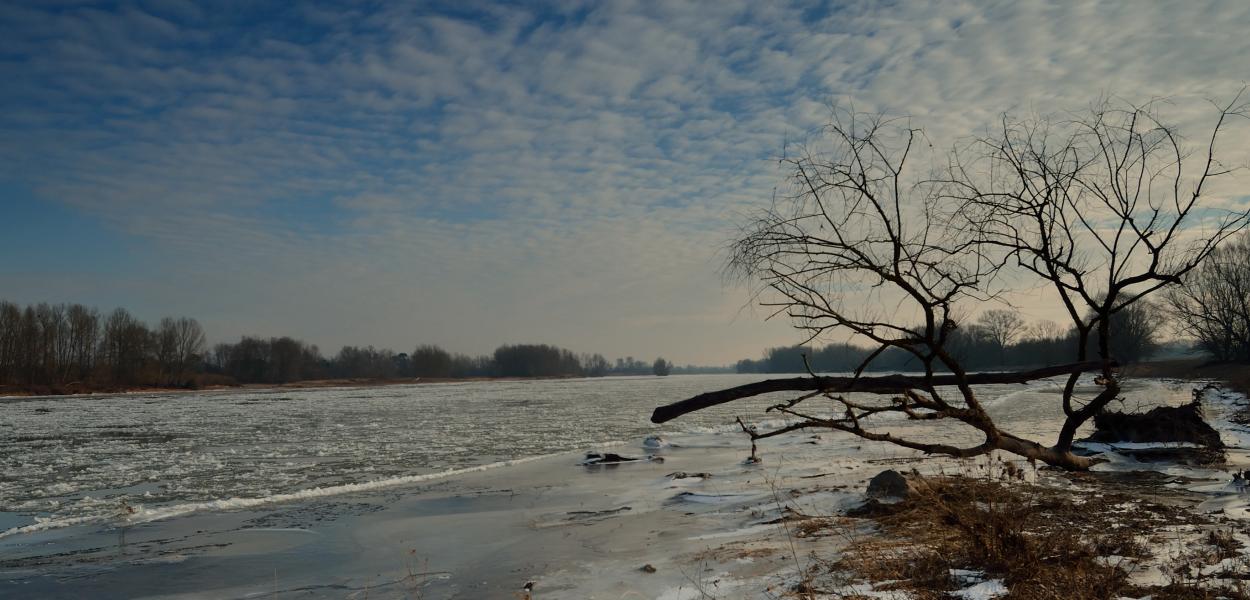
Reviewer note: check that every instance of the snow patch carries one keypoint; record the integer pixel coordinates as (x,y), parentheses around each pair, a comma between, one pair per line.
(982,591)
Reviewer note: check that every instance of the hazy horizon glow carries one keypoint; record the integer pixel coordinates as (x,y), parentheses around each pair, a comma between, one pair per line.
(473,174)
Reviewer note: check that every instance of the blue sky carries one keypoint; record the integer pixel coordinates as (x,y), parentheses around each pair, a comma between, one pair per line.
(470,174)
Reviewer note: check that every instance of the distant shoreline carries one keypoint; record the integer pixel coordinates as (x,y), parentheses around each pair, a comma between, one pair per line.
(69,390)
(1235,375)
(78,389)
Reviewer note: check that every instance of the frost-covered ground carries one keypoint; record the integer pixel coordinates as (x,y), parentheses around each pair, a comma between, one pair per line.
(341,493)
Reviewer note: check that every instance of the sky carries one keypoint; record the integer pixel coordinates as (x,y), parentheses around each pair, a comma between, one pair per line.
(470,173)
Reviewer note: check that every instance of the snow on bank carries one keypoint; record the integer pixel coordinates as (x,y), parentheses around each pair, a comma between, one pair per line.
(982,591)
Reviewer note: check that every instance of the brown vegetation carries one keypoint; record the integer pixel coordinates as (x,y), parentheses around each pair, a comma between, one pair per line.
(1041,542)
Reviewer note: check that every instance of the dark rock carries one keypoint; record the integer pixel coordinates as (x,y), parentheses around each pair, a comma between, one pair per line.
(684,475)
(889,484)
(647,568)
(596,458)
(611,458)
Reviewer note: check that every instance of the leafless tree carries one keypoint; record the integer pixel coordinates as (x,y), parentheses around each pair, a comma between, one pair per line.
(84,334)
(661,367)
(189,343)
(1104,206)
(1213,305)
(1002,327)
(10,344)
(1134,332)
(125,347)
(1043,330)
(179,343)
(166,338)
(1095,206)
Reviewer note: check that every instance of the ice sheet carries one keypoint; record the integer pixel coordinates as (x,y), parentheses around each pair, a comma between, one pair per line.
(576,532)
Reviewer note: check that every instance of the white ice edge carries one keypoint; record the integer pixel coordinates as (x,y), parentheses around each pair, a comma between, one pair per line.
(143,514)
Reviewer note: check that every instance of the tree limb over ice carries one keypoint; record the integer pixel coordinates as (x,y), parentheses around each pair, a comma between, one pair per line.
(885,384)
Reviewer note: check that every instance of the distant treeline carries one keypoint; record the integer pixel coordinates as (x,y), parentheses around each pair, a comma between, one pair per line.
(47,344)
(71,346)
(999,339)
(283,360)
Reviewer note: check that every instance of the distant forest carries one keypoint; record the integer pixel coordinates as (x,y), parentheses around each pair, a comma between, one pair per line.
(999,339)
(62,348)
(71,347)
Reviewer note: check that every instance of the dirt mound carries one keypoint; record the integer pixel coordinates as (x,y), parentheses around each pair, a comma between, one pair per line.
(1161,424)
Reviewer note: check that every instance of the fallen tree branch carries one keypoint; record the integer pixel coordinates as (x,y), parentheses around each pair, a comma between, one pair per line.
(885,384)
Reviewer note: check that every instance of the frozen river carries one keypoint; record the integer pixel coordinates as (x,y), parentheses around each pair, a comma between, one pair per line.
(79,457)
(73,459)
(456,491)
(68,460)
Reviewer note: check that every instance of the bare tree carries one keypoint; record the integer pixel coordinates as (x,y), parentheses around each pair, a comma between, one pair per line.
(431,361)
(84,334)
(661,367)
(1213,305)
(862,247)
(1002,327)
(179,343)
(1134,332)
(189,344)
(10,343)
(1104,207)
(125,347)
(45,343)
(1043,330)
(166,338)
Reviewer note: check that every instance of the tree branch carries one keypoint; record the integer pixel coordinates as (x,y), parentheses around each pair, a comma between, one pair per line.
(885,384)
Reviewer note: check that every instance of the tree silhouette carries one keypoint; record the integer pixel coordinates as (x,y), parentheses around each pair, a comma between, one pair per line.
(1098,207)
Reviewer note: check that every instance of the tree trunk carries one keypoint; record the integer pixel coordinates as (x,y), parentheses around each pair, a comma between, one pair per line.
(885,384)
(1053,456)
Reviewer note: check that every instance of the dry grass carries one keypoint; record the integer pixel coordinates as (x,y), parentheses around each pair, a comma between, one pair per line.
(1042,542)
(1006,531)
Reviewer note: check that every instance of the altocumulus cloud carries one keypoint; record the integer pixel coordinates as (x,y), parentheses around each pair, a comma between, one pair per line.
(476,173)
